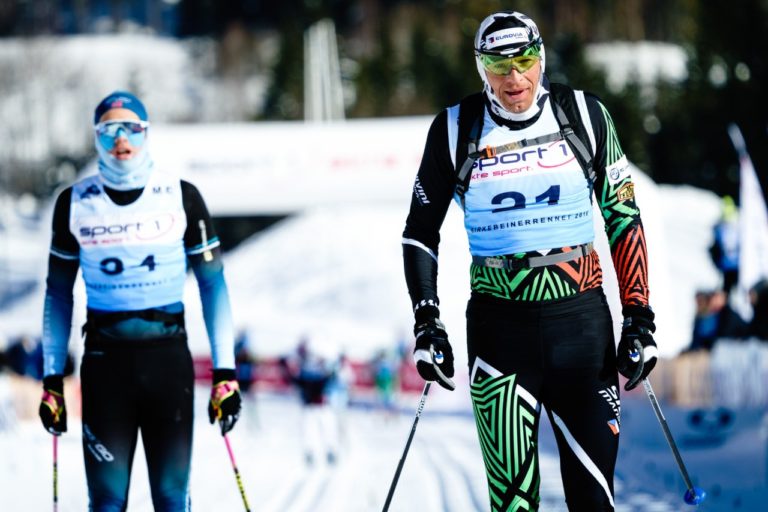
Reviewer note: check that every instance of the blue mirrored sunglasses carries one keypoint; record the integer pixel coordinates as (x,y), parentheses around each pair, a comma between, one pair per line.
(109,131)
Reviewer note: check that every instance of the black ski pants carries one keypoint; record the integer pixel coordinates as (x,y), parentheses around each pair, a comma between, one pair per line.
(558,354)
(132,386)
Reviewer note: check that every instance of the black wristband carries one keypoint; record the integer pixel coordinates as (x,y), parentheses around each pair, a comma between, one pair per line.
(426,313)
(638,311)
(54,383)
(640,315)
(220,374)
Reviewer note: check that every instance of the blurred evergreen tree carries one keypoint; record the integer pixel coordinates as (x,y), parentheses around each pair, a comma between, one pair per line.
(284,98)
(377,78)
(727,80)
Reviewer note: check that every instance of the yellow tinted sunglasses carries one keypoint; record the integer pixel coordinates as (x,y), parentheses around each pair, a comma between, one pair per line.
(501,65)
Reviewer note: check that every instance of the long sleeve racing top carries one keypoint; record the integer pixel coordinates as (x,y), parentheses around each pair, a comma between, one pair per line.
(524,203)
(199,249)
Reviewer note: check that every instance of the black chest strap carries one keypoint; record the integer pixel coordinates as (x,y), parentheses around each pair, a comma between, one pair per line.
(572,130)
(471,112)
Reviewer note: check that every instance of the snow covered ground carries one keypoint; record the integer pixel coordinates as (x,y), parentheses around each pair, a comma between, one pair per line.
(334,272)
(443,471)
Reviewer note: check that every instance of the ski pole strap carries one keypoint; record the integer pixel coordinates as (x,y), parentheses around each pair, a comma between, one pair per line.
(220,392)
(512,263)
(55,402)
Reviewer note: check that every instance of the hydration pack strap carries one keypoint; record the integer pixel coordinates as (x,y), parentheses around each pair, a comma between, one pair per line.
(472,155)
(572,130)
(470,121)
(533,261)
(570,123)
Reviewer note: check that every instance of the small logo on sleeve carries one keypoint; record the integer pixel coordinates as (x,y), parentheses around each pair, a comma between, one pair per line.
(618,170)
(418,191)
(626,192)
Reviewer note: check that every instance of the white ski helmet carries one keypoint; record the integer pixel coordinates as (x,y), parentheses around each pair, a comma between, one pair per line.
(509,33)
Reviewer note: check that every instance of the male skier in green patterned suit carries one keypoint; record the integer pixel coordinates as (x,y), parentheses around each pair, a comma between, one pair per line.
(525,159)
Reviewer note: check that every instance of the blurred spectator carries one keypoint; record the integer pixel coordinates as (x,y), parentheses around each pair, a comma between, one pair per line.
(339,389)
(245,364)
(725,247)
(715,319)
(385,369)
(245,373)
(343,377)
(25,357)
(20,392)
(404,346)
(758,296)
(8,418)
(311,374)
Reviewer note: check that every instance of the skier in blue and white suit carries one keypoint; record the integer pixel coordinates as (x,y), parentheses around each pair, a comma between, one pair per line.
(134,230)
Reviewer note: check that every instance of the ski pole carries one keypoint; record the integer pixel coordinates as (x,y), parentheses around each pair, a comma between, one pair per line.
(55,473)
(693,495)
(407,446)
(237,474)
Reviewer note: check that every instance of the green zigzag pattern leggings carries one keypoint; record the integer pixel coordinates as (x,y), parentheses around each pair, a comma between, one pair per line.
(511,461)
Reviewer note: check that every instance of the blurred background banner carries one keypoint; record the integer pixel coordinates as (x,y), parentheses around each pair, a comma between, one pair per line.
(303,124)
(753,223)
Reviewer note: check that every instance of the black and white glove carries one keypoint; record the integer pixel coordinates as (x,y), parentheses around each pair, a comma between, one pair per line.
(433,354)
(637,352)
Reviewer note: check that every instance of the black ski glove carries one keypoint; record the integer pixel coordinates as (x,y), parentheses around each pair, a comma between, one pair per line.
(433,354)
(637,352)
(225,400)
(52,412)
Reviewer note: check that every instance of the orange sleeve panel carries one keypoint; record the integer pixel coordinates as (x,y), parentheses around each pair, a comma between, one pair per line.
(630,258)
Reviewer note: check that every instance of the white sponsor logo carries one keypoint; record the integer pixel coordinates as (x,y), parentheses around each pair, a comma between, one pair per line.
(506,36)
(618,170)
(129,229)
(418,191)
(611,396)
(97,449)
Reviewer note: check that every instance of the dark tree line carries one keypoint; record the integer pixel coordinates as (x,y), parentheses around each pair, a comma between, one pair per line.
(415,57)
